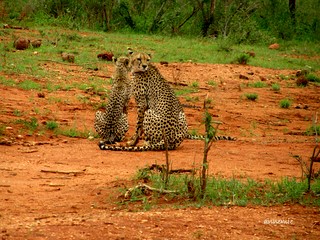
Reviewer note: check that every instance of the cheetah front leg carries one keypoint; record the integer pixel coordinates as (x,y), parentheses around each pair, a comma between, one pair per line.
(139,128)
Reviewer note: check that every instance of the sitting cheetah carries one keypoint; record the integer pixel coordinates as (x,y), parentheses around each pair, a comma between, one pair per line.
(112,124)
(160,114)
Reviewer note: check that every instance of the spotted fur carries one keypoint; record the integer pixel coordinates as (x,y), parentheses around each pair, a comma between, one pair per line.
(112,124)
(160,115)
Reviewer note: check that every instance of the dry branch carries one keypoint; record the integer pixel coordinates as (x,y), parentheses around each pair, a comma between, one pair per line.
(63,172)
(146,187)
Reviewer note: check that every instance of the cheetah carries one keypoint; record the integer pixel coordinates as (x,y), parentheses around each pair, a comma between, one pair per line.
(160,115)
(112,124)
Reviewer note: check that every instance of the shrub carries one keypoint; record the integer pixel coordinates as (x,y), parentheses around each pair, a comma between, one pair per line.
(51,125)
(313,130)
(285,103)
(275,87)
(313,78)
(243,58)
(258,84)
(251,96)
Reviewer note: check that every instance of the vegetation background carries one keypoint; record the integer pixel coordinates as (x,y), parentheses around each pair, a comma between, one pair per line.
(242,21)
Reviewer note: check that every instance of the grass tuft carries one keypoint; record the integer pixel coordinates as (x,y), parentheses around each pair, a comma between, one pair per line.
(285,103)
(251,96)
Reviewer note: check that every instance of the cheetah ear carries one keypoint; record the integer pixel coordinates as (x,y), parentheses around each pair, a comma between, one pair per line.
(130,51)
(114,59)
(149,54)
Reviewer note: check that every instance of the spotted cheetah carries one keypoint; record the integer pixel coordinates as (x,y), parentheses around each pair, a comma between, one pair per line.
(112,124)
(160,115)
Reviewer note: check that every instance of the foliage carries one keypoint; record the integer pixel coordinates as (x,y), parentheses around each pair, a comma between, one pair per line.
(313,130)
(285,103)
(313,78)
(241,21)
(52,125)
(251,96)
(29,85)
(275,87)
(258,84)
(229,192)
(31,125)
(243,58)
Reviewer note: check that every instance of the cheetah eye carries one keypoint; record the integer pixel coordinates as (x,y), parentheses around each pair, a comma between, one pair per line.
(139,59)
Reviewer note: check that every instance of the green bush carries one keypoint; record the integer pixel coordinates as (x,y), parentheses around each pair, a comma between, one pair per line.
(285,103)
(275,87)
(52,125)
(313,78)
(251,96)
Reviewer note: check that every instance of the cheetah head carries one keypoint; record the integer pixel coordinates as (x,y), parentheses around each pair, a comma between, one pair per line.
(139,62)
(121,61)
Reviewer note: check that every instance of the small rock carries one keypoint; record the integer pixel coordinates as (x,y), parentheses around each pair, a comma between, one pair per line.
(9,128)
(19,136)
(41,95)
(164,63)
(262,78)
(106,56)
(69,57)
(274,46)
(243,77)
(251,53)
(36,43)
(21,43)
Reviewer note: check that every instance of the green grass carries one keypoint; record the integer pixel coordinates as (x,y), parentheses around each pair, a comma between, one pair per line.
(30,125)
(29,85)
(163,48)
(191,99)
(17,113)
(275,87)
(285,103)
(7,82)
(228,192)
(313,78)
(73,132)
(212,83)
(243,58)
(52,125)
(258,84)
(313,130)
(195,84)
(184,91)
(251,96)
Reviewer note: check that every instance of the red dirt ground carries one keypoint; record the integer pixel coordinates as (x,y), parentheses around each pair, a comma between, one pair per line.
(36,204)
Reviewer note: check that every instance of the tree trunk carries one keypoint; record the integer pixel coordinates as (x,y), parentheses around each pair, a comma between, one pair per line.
(208,16)
(292,8)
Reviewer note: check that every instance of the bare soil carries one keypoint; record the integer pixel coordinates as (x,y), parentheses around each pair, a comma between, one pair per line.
(56,187)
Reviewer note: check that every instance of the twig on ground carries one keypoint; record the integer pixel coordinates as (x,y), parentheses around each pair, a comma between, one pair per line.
(146,187)
(63,172)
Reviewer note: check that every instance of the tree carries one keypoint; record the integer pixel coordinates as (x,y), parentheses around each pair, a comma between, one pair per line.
(292,8)
(207,9)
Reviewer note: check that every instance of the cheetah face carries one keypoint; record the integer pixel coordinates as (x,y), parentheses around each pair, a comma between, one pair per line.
(121,61)
(139,62)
